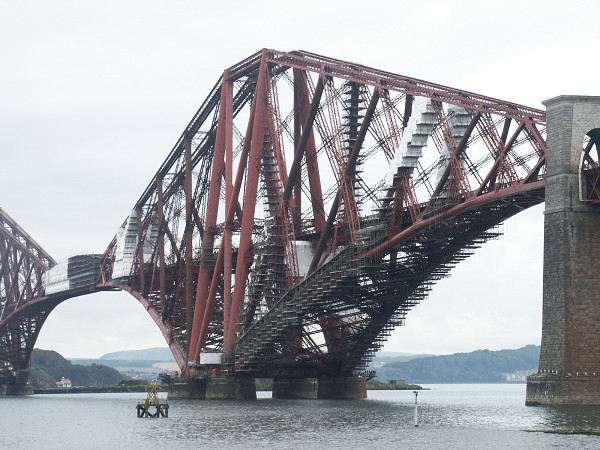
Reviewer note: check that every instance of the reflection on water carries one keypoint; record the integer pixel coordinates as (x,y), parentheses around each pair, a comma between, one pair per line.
(450,416)
(572,418)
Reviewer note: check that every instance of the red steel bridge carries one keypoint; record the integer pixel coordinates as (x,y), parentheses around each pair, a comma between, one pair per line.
(308,205)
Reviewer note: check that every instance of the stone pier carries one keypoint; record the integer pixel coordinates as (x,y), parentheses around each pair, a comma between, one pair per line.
(218,388)
(17,385)
(322,388)
(191,390)
(226,388)
(229,388)
(15,390)
(569,370)
(294,388)
(342,388)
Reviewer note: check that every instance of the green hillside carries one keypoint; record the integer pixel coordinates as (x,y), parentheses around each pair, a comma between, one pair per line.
(47,365)
(481,366)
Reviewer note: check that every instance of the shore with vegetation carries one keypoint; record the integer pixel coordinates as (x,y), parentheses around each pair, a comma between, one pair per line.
(262,384)
(93,389)
(118,371)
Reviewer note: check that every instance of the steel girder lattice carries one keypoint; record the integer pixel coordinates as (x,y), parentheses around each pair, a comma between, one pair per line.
(22,307)
(590,168)
(311,202)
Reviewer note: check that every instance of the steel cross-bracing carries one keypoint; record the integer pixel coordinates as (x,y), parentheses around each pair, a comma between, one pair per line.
(590,168)
(23,310)
(310,203)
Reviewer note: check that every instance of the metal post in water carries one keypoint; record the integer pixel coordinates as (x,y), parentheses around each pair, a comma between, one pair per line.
(416,409)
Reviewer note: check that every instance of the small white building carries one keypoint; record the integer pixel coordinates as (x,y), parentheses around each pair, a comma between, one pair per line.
(63,383)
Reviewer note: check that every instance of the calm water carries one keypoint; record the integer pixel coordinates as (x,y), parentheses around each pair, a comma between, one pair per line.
(450,416)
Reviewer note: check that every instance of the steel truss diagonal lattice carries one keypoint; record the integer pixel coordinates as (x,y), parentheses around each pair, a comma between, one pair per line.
(310,203)
(23,310)
(590,168)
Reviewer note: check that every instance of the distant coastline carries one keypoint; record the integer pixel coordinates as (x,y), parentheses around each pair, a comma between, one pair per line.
(263,385)
(121,371)
(92,390)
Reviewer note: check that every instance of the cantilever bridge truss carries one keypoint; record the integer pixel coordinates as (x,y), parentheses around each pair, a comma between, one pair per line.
(23,308)
(310,203)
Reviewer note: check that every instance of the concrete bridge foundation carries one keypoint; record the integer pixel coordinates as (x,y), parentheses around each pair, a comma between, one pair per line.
(229,388)
(226,388)
(190,390)
(293,388)
(569,370)
(322,388)
(341,388)
(219,388)
(15,390)
(17,386)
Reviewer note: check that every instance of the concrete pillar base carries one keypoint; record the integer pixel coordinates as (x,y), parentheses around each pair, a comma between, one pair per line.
(344,387)
(550,389)
(15,390)
(187,391)
(294,388)
(231,389)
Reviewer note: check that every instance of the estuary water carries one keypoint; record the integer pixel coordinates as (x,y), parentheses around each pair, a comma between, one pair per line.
(461,416)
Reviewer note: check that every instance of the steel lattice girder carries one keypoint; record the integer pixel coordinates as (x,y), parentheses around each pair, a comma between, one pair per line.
(217,273)
(19,332)
(22,265)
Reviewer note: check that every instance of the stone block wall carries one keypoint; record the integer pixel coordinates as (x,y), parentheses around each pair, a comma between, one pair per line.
(570,352)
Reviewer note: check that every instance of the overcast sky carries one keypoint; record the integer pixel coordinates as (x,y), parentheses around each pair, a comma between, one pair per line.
(93,95)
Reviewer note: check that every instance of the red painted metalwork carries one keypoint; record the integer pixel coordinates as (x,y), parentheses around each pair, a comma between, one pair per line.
(210,222)
(23,264)
(590,168)
(341,125)
(414,175)
(245,256)
(229,202)
(156,316)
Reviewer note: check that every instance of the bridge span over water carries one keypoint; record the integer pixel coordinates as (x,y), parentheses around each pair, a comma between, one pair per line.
(308,205)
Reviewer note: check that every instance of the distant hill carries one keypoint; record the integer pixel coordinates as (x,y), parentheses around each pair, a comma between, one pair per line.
(48,366)
(143,364)
(382,358)
(480,366)
(159,354)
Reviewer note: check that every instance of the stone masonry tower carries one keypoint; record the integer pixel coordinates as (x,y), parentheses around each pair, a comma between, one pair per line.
(569,371)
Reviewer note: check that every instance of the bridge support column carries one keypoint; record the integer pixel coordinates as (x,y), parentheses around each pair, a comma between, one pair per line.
(226,388)
(343,387)
(17,385)
(15,390)
(187,391)
(295,388)
(569,370)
